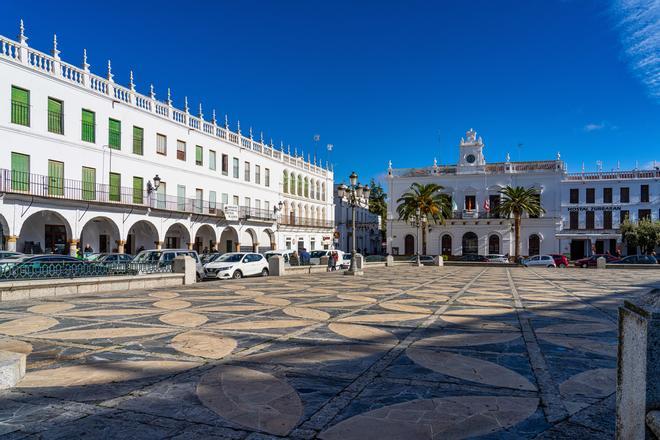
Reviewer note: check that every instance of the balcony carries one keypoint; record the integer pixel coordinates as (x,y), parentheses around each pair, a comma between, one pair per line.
(472,214)
(20,113)
(14,182)
(306,221)
(249,213)
(55,122)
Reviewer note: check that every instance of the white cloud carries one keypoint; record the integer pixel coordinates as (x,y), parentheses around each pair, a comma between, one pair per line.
(639,25)
(594,127)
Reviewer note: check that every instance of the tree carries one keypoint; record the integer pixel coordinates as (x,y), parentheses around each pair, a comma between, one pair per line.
(432,204)
(378,203)
(517,201)
(645,234)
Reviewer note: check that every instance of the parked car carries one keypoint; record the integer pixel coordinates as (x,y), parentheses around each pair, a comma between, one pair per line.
(497,258)
(426,260)
(10,255)
(237,265)
(49,266)
(474,257)
(539,260)
(315,256)
(345,262)
(592,261)
(286,254)
(637,259)
(560,260)
(153,260)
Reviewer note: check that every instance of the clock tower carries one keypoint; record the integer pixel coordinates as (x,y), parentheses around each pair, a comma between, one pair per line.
(471,159)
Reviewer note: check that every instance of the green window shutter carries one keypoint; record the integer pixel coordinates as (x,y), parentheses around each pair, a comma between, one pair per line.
(181,197)
(199,155)
(55,116)
(20,172)
(55,178)
(89,183)
(115,187)
(138,140)
(88,126)
(20,106)
(138,189)
(114,134)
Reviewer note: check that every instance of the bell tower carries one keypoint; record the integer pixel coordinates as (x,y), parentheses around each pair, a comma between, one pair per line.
(471,156)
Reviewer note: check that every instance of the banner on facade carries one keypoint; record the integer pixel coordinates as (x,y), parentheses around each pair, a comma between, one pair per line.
(231,212)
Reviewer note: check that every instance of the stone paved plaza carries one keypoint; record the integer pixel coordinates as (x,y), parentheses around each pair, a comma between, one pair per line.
(405,353)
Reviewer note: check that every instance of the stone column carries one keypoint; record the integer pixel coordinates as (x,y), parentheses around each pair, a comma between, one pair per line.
(11,242)
(159,245)
(238,247)
(273,246)
(73,247)
(121,246)
(214,247)
(255,247)
(190,246)
(638,369)
(186,266)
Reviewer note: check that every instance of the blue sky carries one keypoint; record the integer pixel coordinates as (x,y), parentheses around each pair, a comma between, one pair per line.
(388,80)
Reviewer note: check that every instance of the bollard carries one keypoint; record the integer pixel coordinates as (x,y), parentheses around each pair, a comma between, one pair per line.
(187,266)
(276,266)
(359,261)
(638,366)
(389,261)
(601,263)
(12,368)
(323,262)
(438,261)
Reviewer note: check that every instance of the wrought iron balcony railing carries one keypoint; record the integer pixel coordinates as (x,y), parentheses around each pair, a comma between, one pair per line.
(305,221)
(20,113)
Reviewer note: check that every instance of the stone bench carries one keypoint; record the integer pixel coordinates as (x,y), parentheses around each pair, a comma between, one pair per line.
(12,368)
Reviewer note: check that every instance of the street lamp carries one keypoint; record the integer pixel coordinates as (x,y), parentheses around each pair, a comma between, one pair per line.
(354,193)
(419,222)
(151,188)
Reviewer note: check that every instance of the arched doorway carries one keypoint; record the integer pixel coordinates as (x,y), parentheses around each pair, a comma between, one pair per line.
(204,239)
(143,235)
(248,240)
(267,241)
(177,237)
(494,244)
(4,233)
(409,245)
(228,240)
(445,244)
(101,234)
(470,243)
(44,232)
(534,245)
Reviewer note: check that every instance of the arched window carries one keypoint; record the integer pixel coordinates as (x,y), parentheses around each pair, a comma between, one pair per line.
(493,244)
(292,184)
(446,244)
(311,188)
(300,185)
(306,187)
(470,243)
(318,190)
(285,182)
(534,245)
(409,245)
(323,192)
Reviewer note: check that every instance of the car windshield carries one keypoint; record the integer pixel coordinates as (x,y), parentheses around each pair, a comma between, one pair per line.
(148,256)
(230,258)
(317,254)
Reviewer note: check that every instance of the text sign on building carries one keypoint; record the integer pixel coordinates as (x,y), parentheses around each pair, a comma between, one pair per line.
(231,212)
(594,208)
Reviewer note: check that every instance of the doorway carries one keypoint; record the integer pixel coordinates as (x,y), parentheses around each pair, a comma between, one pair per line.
(55,239)
(409,244)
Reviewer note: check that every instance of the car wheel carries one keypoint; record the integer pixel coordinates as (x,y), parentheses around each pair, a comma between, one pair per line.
(562,265)
(550,265)
(237,275)
(264,272)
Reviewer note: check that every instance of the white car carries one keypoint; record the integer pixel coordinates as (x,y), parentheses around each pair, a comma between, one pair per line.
(315,256)
(539,260)
(497,258)
(286,254)
(237,265)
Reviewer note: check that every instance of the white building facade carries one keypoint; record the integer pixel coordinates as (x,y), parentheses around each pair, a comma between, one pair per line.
(80,157)
(368,233)
(583,211)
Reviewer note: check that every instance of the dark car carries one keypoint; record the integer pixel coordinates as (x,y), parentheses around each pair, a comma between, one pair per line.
(426,260)
(560,260)
(592,261)
(474,258)
(638,259)
(51,266)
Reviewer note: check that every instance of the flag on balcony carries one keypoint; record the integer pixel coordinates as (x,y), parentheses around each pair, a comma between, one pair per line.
(487,205)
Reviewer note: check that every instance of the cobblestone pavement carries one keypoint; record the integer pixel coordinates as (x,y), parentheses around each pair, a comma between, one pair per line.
(401,353)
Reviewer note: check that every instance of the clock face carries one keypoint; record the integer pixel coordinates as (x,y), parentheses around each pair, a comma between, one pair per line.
(470,158)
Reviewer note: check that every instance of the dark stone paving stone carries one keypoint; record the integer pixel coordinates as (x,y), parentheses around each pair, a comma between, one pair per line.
(108,428)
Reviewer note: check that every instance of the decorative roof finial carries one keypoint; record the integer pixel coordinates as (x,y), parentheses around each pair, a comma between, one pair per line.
(152,93)
(288,149)
(56,53)
(85,63)
(130,81)
(169,97)
(111,77)
(308,158)
(558,155)
(583,167)
(281,146)
(21,35)
(389,165)
(213,117)
(250,132)
(185,104)
(201,113)
(508,157)
(295,152)
(226,121)
(238,125)
(261,137)
(435,162)
(271,142)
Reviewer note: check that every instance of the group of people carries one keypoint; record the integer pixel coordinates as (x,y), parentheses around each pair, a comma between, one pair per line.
(300,259)
(333,257)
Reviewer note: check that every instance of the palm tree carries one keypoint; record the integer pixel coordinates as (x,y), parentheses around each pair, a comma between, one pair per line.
(432,204)
(517,201)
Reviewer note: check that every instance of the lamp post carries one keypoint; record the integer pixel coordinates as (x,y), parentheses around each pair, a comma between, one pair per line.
(354,193)
(152,188)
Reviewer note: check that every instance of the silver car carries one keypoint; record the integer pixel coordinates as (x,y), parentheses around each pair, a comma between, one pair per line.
(539,260)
